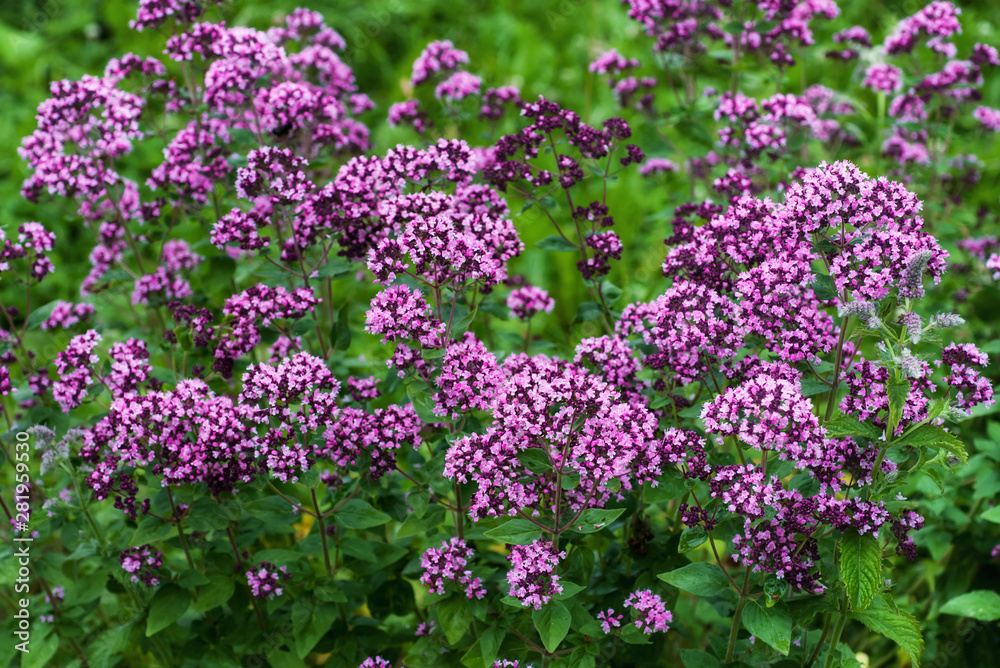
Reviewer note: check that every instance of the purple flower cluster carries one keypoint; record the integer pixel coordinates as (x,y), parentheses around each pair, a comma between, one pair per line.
(265,580)
(532,577)
(570,417)
(142,562)
(438,57)
(526,301)
(469,380)
(649,612)
(447,564)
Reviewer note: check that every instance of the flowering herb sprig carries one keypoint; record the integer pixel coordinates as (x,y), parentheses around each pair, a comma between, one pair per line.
(326,390)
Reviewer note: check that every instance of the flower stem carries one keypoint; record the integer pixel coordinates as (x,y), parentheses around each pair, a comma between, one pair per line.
(837,631)
(322,533)
(180,529)
(735,630)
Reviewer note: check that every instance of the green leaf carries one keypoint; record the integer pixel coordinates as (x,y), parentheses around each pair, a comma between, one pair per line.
(462,323)
(696,658)
(580,658)
(150,529)
(535,460)
(303,326)
(190,579)
(309,629)
(340,333)
(593,520)
(899,627)
(860,568)
(515,532)
(587,311)
(310,478)
(220,589)
(334,268)
(981,604)
(417,524)
(610,292)
(41,314)
(696,132)
(846,425)
(633,636)
(811,387)
(41,654)
(358,514)
(772,625)
(700,578)
(899,390)
(935,437)
(116,639)
(570,480)
(823,287)
(489,643)
(169,604)
(552,623)
(992,515)
(495,310)
(691,538)
(422,398)
(555,242)
(454,616)
(570,589)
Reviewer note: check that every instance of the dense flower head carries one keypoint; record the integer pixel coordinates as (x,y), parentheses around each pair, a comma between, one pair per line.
(82,128)
(439,56)
(265,580)
(66,314)
(260,303)
(868,395)
(560,412)
(447,564)
(374,437)
(142,562)
(401,313)
(613,63)
(469,379)
(75,370)
(187,435)
(375,662)
(988,117)
(937,19)
(610,357)
(689,324)
(884,78)
(649,611)
(532,577)
(527,300)
(836,195)
(888,258)
(458,86)
(276,172)
(448,239)
(971,389)
(129,366)
(765,412)
(409,113)
(854,34)
(777,303)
